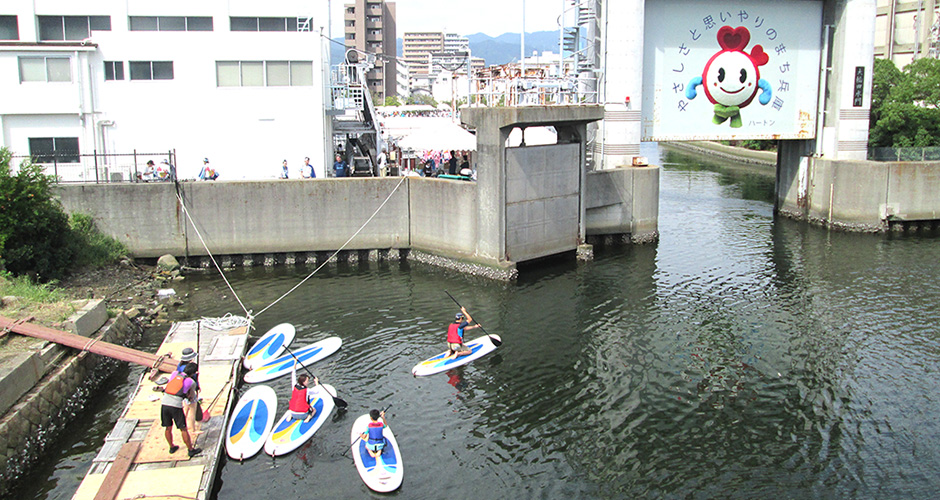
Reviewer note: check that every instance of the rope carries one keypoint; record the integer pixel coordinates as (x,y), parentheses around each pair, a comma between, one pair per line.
(337,251)
(211,257)
(227,322)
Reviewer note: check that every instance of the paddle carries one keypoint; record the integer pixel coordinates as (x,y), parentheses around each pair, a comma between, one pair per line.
(494,340)
(206,414)
(340,403)
(359,437)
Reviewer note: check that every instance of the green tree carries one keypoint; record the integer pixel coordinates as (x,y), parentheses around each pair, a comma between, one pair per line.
(422,99)
(34,229)
(905,104)
(392,101)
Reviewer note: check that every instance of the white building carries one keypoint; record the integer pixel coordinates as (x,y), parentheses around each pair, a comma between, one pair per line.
(235,81)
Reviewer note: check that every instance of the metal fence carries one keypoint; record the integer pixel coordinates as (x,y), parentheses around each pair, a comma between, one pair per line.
(533,91)
(904,154)
(100,168)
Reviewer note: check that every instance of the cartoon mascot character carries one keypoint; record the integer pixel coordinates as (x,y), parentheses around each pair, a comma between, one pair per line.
(731,77)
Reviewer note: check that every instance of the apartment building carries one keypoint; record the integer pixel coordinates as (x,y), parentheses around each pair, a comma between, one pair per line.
(906,30)
(241,83)
(417,48)
(370,29)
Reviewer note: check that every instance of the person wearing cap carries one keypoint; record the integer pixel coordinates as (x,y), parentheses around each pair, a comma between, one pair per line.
(188,358)
(284,170)
(207,173)
(171,408)
(455,333)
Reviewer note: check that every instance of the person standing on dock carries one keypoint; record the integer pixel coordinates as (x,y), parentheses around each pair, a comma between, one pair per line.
(189,358)
(171,408)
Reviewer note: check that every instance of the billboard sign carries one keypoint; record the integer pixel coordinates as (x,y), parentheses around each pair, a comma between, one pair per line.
(720,70)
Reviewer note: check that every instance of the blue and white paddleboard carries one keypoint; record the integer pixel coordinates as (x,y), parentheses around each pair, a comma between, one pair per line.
(283,364)
(383,473)
(288,434)
(251,422)
(270,345)
(480,347)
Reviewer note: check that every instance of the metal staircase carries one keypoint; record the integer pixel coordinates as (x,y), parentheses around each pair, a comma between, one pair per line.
(356,127)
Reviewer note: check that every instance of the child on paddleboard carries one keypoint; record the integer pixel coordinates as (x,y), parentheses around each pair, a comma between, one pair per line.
(455,333)
(299,405)
(375,440)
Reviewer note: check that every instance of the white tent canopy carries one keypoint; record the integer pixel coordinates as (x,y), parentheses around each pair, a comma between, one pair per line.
(424,134)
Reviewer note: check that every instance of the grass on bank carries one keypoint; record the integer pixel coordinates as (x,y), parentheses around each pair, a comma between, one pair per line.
(43,301)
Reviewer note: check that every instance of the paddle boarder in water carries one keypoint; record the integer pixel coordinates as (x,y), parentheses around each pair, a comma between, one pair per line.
(299,405)
(375,440)
(455,333)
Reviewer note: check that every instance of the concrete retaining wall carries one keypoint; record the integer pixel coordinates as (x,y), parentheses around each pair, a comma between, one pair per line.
(443,217)
(33,423)
(623,201)
(859,195)
(247,216)
(740,155)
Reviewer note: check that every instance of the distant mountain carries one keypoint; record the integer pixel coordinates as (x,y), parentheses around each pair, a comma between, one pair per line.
(502,49)
(507,47)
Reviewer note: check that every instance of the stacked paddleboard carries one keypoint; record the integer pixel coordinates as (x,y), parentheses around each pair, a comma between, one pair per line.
(283,364)
(251,422)
(270,345)
(383,473)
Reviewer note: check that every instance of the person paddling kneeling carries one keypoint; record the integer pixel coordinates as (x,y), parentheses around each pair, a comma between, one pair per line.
(374,437)
(299,405)
(455,333)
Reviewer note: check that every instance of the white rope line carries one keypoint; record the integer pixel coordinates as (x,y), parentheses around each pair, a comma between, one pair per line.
(211,257)
(327,261)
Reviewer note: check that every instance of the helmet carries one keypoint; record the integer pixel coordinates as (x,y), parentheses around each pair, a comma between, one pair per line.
(459,316)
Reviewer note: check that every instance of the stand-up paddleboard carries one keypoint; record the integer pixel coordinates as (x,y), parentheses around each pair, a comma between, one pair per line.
(383,473)
(288,434)
(285,363)
(269,346)
(480,347)
(251,422)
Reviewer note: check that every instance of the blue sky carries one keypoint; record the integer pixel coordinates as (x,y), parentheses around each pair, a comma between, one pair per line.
(493,17)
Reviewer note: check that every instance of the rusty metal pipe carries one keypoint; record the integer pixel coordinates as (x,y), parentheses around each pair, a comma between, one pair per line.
(89,344)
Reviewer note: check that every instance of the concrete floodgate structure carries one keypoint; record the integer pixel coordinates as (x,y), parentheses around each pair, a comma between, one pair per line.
(528,203)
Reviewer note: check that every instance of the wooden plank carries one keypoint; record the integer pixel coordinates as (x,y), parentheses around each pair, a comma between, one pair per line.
(174,483)
(122,430)
(156,449)
(109,452)
(115,476)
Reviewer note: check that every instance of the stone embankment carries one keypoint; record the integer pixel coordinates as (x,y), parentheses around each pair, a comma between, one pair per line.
(43,385)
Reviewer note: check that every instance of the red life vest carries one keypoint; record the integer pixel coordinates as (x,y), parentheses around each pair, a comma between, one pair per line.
(453,336)
(298,400)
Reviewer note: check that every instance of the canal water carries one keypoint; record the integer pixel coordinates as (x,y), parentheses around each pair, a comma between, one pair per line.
(741,356)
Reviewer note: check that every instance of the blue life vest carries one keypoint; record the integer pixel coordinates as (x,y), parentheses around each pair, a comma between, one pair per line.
(375,433)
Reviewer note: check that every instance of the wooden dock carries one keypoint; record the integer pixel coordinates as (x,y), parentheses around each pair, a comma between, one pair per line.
(135,461)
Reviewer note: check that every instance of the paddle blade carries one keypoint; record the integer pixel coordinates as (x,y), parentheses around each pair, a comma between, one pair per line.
(495,341)
(340,403)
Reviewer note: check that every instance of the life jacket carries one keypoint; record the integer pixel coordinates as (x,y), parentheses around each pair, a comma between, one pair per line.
(175,391)
(375,433)
(453,333)
(298,400)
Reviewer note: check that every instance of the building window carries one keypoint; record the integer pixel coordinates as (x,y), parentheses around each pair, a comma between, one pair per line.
(170,23)
(264,73)
(52,28)
(151,70)
(45,69)
(114,70)
(8,28)
(54,149)
(263,23)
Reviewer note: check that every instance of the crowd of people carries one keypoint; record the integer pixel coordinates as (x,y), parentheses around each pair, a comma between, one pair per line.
(424,113)
(437,163)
